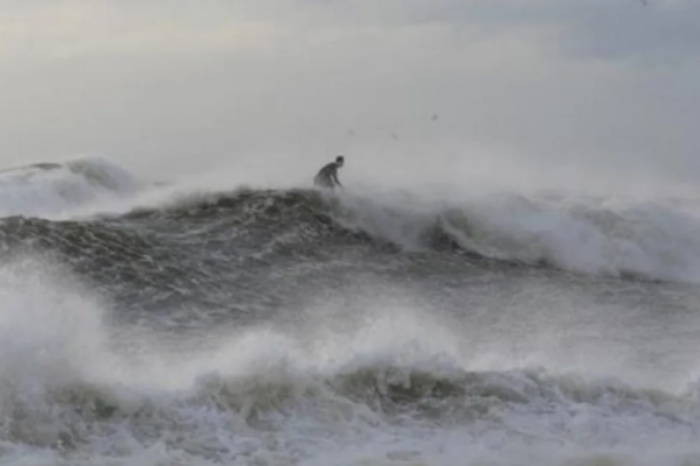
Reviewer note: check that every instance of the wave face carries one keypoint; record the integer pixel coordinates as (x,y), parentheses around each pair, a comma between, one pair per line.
(151,324)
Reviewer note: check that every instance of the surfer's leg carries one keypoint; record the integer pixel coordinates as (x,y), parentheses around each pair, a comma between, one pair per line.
(323,182)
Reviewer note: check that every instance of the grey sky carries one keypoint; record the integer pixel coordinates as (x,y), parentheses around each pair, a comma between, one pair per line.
(183,85)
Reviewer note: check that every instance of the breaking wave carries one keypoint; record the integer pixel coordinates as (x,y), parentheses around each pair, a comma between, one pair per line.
(74,385)
(55,190)
(649,239)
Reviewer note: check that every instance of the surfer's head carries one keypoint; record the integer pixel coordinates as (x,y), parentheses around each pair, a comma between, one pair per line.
(340,160)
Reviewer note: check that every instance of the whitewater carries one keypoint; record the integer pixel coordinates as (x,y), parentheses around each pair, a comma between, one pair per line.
(191,322)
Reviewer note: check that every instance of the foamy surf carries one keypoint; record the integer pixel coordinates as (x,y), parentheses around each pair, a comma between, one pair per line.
(392,388)
(610,236)
(56,190)
(220,324)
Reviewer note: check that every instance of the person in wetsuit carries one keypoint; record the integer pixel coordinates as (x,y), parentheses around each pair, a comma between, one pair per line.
(327,177)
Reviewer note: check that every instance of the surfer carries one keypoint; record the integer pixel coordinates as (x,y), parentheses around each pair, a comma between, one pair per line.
(327,177)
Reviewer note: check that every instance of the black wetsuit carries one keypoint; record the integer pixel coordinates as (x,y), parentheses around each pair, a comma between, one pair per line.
(327,177)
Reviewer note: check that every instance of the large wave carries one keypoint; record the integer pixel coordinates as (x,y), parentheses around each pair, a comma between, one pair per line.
(653,239)
(648,237)
(75,387)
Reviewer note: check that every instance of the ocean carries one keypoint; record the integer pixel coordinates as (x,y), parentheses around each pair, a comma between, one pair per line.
(148,323)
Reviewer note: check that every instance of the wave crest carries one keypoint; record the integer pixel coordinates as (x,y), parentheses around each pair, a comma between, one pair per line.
(654,240)
(644,239)
(55,190)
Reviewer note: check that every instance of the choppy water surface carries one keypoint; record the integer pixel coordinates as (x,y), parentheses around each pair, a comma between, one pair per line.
(147,325)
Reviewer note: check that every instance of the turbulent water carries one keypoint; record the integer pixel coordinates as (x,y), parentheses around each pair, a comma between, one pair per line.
(157,324)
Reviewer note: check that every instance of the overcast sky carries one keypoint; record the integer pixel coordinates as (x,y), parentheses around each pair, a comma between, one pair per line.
(184,85)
